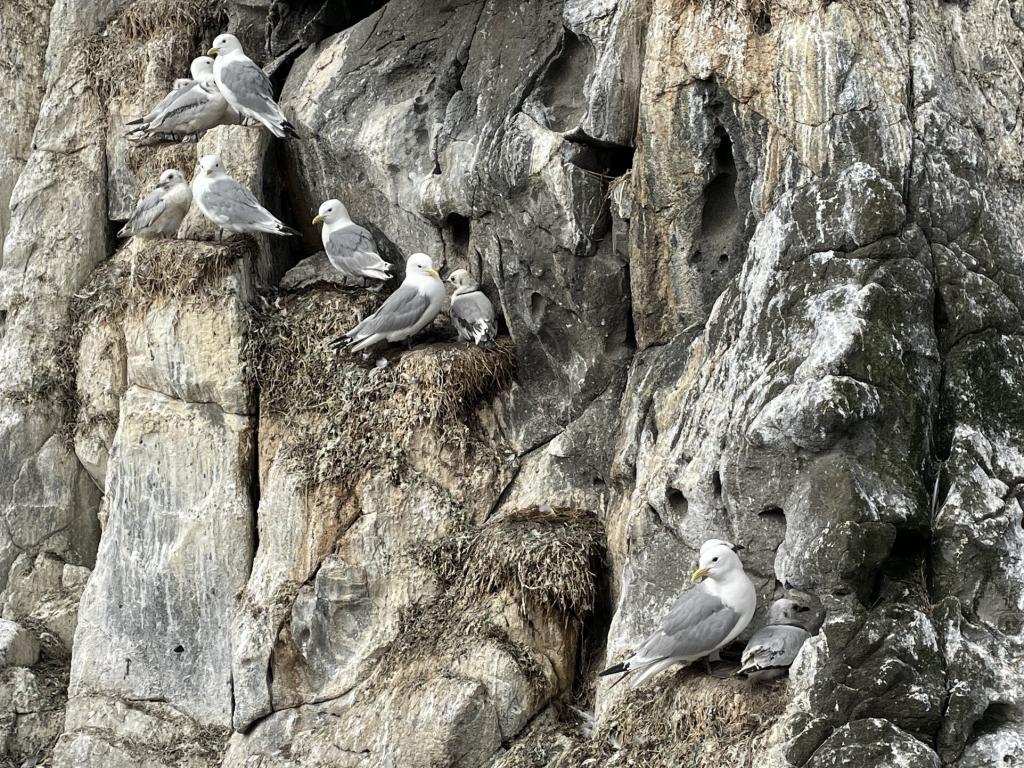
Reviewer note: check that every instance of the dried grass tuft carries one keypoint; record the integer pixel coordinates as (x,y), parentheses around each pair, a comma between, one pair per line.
(145,33)
(365,416)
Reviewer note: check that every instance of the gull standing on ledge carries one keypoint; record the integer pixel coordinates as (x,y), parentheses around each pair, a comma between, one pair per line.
(159,213)
(201,69)
(773,648)
(472,313)
(703,619)
(229,205)
(349,247)
(246,87)
(405,312)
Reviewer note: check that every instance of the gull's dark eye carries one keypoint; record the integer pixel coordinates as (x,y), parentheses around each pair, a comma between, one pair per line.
(714,559)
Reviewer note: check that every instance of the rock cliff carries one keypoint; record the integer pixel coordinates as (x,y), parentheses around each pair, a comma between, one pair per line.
(761,272)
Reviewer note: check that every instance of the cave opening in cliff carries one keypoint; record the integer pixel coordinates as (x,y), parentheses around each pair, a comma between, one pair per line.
(456,235)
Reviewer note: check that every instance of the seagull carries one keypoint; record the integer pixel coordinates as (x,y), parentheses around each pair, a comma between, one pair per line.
(773,648)
(703,619)
(406,311)
(201,69)
(229,205)
(472,313)
(246,87)
(159,213)
(350,248)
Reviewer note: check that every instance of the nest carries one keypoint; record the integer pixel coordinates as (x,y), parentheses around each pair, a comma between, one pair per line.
(146,32)
(687,720)
(347,416)
(545,562)
(544,559)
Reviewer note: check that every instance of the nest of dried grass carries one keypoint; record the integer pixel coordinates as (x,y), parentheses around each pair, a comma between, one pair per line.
(348,416)
(687,720)
(147,32)
(545,561)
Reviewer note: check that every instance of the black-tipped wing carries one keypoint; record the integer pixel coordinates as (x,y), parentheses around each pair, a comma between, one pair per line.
(695,625)
(473,316)
(402,309)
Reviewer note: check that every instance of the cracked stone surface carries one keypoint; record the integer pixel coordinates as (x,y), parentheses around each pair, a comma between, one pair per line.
(761,264)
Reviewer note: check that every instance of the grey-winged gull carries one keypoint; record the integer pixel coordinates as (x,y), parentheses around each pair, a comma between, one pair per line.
(472,313)
(229,205)
(246,87)
(159,213)
(773,648)
(406,311)
(349,247)
(703,619)
(201,68)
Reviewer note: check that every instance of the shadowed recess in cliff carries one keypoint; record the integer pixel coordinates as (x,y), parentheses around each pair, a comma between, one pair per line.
(563,102)
(347,416)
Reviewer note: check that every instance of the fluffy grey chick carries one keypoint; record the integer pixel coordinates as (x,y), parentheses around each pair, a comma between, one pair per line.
(773,648)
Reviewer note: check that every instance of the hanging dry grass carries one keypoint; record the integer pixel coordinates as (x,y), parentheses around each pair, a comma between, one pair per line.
(349,416)
(147,32)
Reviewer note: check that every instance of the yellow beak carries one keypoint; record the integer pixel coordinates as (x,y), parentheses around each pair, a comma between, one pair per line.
(317,219)
(434,273)
(699,574)
(213,52)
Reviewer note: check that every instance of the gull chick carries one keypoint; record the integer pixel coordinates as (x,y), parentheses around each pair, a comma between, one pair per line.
(705,618)
(472,313)
(229,205)
(349,247)
(773,648)
(246,86)
(408,310)
(159,213)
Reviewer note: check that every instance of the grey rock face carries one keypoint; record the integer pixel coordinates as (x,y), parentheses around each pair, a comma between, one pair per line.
(758,265)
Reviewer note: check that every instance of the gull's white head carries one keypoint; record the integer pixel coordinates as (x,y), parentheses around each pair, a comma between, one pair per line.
(786,611)
(330,212)
(225,44)
(211,164)
(717,560)
(420,264)
(460,278)
(201,68)
(170,177)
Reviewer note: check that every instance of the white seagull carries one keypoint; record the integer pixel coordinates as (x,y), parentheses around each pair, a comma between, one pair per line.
(702,620)
(246,87)
(404,313)
(159,213)
(201,68)
(472,313)
(349,247)
(229,205)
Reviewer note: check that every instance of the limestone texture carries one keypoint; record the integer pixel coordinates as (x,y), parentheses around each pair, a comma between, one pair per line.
(760,272)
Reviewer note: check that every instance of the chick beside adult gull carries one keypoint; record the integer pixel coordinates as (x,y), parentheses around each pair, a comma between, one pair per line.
(705,618)
(472,313)
(774,647)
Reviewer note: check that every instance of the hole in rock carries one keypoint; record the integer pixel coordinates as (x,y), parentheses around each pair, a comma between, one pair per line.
(718,218)
(179,649)
(537,306)
(457,231)
(763,22)
(716,484)
(773,513)
(677,501)
(560,88)
(998,716)
(3,322)
(593,635)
